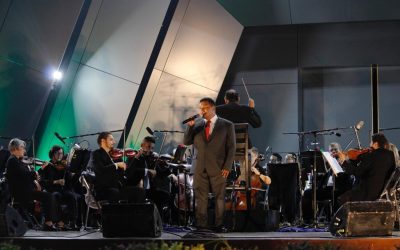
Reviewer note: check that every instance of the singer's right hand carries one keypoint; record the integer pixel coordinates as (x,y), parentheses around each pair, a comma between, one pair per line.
(191,123)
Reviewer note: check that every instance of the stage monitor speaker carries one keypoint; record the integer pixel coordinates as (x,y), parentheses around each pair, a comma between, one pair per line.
(11,223)
(127,220)
(363,218)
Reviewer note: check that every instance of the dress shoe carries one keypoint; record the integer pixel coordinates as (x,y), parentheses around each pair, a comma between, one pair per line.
(48,228)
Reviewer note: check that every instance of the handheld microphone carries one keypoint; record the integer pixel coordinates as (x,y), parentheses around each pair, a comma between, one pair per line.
(59,137)
(150,131)
(190,118)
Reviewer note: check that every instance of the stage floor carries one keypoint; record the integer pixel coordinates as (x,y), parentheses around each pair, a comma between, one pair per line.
(239,240)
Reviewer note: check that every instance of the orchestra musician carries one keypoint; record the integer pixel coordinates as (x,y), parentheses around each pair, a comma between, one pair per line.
(237,113)
(395,151)
(110,175)
(147,170)
(56,179)
(214,144)
(372,170)
(22,182)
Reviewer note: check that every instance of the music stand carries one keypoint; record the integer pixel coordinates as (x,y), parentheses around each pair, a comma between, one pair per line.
(314,171)
(179,154)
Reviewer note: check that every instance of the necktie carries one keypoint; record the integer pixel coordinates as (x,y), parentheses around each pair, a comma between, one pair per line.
(208,130)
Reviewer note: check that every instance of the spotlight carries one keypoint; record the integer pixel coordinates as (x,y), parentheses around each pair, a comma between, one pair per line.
(57,75)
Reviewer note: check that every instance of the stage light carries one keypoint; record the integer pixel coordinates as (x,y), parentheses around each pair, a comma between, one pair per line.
(57,75)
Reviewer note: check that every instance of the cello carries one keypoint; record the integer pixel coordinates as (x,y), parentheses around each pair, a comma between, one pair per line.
(239,198)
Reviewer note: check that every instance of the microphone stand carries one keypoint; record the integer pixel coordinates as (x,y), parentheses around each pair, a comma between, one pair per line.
(314,133)
(84,135)
(386,129)
(357,137)
(165,133)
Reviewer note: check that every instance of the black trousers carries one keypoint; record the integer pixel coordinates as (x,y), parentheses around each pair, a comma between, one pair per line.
(71,200)
(48,202)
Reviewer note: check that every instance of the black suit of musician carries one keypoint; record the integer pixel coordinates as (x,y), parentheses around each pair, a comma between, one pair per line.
(56,179)
(372,171)
(237,113)
(109,174)
(21,182)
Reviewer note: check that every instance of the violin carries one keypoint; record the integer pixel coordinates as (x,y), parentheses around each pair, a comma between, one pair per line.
(30,162)
(59,165)
(118,154)
(33,161)
(354,154)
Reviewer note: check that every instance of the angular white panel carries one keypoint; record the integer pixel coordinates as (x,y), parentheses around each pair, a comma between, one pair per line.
(205,44)
(98,102)
(173,29)
(124,35)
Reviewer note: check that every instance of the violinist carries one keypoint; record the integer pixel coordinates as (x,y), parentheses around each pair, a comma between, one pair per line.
(141,168)
(372,169)
(145,169)
(22,185)
(56,179)
(109,174)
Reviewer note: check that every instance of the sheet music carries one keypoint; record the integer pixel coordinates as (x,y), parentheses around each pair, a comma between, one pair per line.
(333,163)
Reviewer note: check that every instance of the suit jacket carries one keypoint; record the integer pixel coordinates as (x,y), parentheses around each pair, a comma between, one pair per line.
(107,176)
(20,179)
(49,174)
(373,170)
(237,113)
(217,153)
(135,171)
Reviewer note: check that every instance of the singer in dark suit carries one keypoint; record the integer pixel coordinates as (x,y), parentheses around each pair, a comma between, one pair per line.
(372,171)
(109,174)
(214,149)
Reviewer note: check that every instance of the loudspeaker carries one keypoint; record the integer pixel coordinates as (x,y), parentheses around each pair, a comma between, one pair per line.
(254,221)
(127,220)
(363,218)
(11,223)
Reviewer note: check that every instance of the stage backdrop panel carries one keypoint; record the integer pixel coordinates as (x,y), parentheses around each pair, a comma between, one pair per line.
(33,38)
(192,64)
(109,62)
